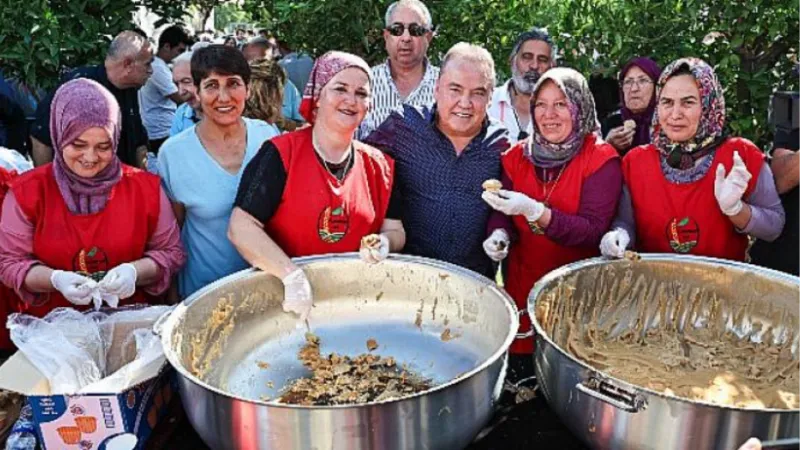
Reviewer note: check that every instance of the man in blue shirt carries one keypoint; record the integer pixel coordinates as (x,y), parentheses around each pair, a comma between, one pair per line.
(443,155)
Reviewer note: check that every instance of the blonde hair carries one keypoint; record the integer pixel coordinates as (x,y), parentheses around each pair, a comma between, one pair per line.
(265,102)
(474,54)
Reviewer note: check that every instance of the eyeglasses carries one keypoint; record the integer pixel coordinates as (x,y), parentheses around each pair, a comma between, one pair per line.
(641,82)
(414,29)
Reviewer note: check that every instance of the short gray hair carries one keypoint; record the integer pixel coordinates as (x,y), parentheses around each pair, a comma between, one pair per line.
(414,4)
(127,44)
(475,54)
(185,57)
(535,34)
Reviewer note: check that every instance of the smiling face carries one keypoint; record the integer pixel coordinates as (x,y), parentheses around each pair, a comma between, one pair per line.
(462,93)
(551,113)
(344,101)
(406,50)
(637,89)
(679,108)
(222,98)
(90,153)
(182,77)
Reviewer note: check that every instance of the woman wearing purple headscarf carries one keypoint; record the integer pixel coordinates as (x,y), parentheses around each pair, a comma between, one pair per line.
(630,127)
(86,228)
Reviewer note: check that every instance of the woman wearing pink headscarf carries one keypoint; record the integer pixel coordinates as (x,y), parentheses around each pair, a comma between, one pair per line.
(318,190)
(86,227)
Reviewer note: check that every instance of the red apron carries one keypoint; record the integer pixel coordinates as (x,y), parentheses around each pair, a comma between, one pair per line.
(534,255)
(6,294)
(317,215)
(686,218)
(89,243)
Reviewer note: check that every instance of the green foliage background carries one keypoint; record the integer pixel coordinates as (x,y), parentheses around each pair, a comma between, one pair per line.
(752,43)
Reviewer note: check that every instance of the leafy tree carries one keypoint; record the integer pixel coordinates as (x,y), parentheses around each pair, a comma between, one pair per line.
(229,13)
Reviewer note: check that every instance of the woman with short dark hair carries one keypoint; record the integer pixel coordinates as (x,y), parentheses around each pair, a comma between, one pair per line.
(201,166)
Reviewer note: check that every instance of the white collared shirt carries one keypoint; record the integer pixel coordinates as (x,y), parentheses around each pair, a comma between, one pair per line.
(386,98)
(502,109)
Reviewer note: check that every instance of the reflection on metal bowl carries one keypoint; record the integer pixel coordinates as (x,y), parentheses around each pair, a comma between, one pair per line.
(234,350)
(685,296)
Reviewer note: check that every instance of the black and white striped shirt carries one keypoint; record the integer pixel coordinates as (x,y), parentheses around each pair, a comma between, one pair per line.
(386,98)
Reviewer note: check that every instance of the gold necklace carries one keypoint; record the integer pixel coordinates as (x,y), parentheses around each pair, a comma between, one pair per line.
(534,226)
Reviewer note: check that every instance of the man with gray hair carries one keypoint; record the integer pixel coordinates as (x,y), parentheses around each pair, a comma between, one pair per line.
(443,154)
(533,54)
(407,77)
(126,68)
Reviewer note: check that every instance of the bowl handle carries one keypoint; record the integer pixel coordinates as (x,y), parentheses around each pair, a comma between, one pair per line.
(528,333)
(615,396)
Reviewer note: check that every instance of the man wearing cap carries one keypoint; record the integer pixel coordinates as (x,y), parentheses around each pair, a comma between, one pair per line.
(533,54)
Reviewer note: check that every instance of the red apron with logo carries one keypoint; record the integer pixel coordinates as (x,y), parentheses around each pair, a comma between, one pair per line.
(317,214)
(534,255)
(92,243)
(6,294)
(686,218)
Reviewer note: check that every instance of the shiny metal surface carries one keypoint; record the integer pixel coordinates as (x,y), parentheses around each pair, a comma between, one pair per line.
(608,413)
(405,303)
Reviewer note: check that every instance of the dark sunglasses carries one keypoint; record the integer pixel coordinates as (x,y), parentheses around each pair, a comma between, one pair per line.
(414,29)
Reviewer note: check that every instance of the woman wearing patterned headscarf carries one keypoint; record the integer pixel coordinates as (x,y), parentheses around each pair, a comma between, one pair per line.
(561,188)
(694,190)
(86,227)
(318,190)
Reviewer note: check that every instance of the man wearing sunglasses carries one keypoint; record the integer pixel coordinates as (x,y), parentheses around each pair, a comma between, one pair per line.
(533,54)
(407,77)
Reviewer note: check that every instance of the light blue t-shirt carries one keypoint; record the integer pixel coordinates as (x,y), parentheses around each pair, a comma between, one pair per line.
(184,119)
(291,102)
(192,177)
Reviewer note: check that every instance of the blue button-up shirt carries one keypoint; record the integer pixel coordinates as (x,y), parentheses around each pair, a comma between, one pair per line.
(443,213)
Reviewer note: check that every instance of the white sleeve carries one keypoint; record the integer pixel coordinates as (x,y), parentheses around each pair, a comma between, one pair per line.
(162,81)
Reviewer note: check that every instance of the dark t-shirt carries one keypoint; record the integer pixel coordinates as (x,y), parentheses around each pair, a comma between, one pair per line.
(267,172)
(133,134)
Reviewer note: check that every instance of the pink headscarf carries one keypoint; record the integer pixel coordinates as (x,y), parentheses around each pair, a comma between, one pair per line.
(78,105)
(325,68)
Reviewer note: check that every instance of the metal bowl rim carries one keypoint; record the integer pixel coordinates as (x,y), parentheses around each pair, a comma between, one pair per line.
(570,268)
(166,330)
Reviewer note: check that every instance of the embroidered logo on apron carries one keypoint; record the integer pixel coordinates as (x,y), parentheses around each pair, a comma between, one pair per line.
(92,263)
(683,234)
(333,224)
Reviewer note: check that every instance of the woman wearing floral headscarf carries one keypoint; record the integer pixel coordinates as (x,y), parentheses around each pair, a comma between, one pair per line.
(562,185)
(86,227)
(318,190)
(694,190)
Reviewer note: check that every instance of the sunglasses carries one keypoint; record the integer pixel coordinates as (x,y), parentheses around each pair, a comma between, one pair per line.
(414,29)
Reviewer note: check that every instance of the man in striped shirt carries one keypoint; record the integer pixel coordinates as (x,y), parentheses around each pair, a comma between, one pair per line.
(407,77)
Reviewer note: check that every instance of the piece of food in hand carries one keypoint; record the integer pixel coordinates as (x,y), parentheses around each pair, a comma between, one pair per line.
(372,344)
(371,241)
(629,125)
(631,256)
(492,185)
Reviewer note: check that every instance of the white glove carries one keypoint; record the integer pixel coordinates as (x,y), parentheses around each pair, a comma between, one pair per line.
(297,294)
(118,284)
(496,246)
(751,444)
(614,243)
(77,289)
(729,190)
(376,253)
(513,203)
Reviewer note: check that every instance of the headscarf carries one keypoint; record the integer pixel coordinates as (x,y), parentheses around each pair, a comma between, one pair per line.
(644,118)
(78,105)
(546,154)
(325,68)
(710,130)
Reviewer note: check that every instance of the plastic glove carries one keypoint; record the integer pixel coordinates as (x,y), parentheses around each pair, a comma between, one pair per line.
(297,296)
(614,243)
(77,289)
(118,284)
(376,253)
(751,444)
(496,246)
(729,189)
(513,203)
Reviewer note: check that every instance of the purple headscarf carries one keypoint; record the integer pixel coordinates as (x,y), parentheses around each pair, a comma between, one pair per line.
(644,118)
(77,106)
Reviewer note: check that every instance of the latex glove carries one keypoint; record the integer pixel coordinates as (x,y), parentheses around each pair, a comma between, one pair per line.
(496,246)
(297,296)
(513,203)
(729,190)
(118,284)
(374,253)
(751,444)
(77,289)
(614,243)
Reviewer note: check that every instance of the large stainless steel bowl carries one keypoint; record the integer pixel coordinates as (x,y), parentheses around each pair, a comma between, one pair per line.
(218,340)
(608,413)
